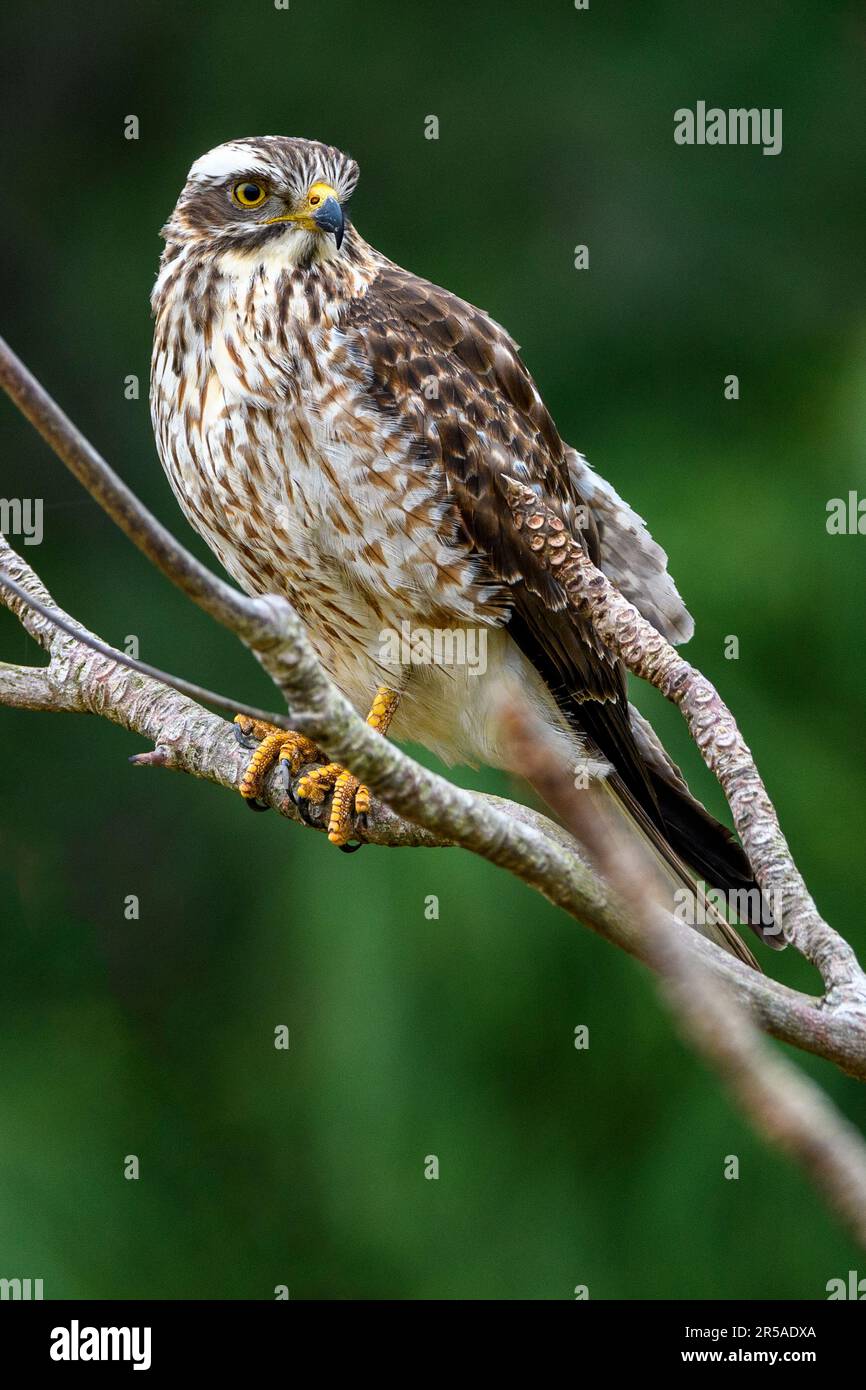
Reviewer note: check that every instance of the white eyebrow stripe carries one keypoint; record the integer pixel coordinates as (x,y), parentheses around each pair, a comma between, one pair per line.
(226,159)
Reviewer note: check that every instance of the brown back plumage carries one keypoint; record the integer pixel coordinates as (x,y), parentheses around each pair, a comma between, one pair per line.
(456,378)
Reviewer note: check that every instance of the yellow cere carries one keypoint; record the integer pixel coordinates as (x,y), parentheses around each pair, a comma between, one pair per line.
(319,193)
(316,198)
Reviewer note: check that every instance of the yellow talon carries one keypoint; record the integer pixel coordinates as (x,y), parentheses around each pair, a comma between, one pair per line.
(315,784)
(349,797)
(382,712)
(277,745)
(344,807)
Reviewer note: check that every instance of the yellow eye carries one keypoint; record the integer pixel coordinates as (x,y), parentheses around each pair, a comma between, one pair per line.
(248,194)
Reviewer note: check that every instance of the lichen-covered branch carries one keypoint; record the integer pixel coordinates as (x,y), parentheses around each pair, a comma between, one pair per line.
(415,807)
(425,810)
(713,728)
(187,737)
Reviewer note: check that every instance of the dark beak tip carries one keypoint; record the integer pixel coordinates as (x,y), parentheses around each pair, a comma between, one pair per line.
(330,219)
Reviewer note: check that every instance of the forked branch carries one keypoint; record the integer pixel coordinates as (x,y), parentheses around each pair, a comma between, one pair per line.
(415,807)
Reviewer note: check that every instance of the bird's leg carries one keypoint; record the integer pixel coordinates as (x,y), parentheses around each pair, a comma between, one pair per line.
(271,745)
(350,797)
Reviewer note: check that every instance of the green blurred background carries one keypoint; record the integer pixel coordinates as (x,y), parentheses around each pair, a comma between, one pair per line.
(412,1037)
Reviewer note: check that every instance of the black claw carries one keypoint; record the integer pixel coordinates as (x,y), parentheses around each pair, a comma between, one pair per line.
(256,805)
(309,811)
(360,824)
(244,739)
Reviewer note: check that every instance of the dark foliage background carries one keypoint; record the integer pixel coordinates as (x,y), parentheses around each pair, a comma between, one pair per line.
(412,1037)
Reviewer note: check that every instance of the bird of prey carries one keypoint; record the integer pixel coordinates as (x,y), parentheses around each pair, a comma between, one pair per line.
(342,432)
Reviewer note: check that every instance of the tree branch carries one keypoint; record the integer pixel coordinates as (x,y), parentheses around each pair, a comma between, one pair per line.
(712,726)
(248,618)
(26,687)
(85,675)
(424,809)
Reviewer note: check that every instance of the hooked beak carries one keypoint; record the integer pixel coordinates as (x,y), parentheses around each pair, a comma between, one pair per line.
(320,212)
(329,218)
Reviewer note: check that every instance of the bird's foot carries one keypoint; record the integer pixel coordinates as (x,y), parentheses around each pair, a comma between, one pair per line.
(292,752)
(349,801)
(271,746)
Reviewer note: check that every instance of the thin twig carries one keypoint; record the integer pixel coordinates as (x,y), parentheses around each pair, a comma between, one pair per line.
(244,616)
(195,692)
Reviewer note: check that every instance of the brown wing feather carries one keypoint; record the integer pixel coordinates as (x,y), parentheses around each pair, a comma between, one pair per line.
(455,380)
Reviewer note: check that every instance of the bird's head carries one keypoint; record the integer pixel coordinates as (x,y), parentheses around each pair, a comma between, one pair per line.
(267,191)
